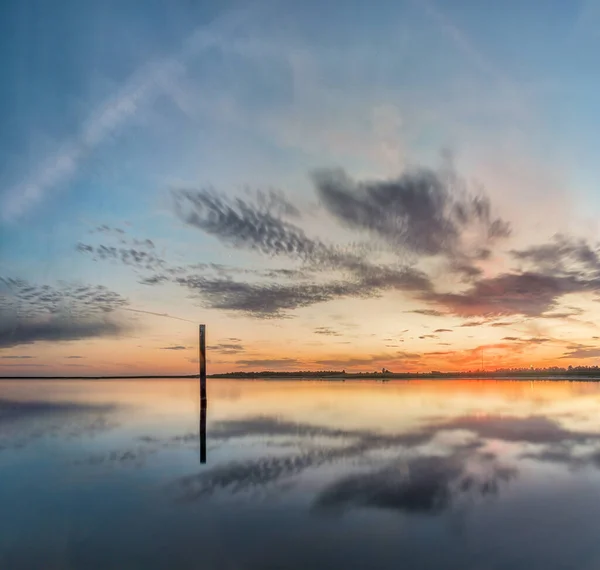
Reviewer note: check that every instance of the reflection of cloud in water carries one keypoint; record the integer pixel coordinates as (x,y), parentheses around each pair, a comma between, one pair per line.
(532,429)
(568,454)
(433,481)
(273,427)
(427,484)
(25,421)
(239,476)
(14,409)
(135,457)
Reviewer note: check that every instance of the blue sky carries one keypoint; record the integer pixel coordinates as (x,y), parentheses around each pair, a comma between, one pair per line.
(107,109)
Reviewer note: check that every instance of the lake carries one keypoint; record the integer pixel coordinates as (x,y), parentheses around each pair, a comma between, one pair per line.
(299,474)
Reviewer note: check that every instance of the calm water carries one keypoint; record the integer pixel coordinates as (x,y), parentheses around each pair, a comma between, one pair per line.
(438,474)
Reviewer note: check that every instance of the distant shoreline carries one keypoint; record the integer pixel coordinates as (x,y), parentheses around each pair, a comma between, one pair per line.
(584,375)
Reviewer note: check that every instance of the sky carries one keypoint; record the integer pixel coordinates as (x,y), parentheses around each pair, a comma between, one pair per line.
(341,185)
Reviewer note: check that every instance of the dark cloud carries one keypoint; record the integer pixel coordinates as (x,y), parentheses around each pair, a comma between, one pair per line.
(239,223)
(30,313)
(560,315)
(57,329)
(74,356)
(175,347)
(139,258)
(428,312)
(227,348)
(424,336)
(266,300)
(421,211)
(426,484)
(561,254)
(530,294)
(442,330)
(533,340)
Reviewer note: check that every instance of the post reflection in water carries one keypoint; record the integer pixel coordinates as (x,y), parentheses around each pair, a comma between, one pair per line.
(203,431)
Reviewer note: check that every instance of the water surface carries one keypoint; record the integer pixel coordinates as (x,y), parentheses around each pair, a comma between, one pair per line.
(420,474)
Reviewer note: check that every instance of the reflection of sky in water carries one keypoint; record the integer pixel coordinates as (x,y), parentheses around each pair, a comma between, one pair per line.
(420,474)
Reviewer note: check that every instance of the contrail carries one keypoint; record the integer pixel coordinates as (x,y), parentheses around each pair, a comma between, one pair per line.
(144,86)
(158,315)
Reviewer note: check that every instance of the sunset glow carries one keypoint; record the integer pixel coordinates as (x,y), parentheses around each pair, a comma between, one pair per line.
(400,190)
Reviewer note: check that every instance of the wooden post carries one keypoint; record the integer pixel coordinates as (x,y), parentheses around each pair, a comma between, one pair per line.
(202,361)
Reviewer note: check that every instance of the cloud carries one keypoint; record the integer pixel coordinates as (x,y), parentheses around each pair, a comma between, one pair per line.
(422,211)
(104,229)
(533,340)
(143,259)
(244,225)
(227,348)
(428,312)
(266,300)
(582,353)
(54,330)
(174,347)
(31,313)
(28,365)
(442,330)
(529,293)
(19,357)
(562,253)
(269,300)
(327,331)
(74,356)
